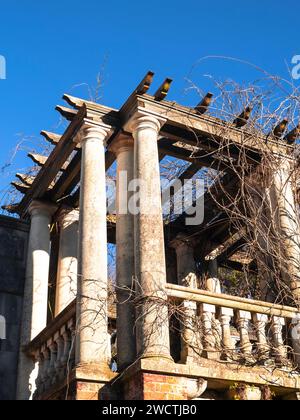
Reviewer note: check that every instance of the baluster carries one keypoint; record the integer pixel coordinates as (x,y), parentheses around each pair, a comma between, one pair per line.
(225,316)
(72,328)
(191,347)
(53,354)
(46,363)
(39,379)
(66,334)
(279,349)
(59,341)
(243,322)
(263,349)
(295,333)
(208,318)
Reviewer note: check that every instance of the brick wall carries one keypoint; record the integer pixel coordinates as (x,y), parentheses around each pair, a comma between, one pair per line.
(150,386)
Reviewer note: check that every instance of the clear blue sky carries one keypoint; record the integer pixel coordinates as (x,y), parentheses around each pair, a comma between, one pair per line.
(52,46)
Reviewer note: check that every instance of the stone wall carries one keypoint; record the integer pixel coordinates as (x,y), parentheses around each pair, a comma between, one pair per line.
(13,250)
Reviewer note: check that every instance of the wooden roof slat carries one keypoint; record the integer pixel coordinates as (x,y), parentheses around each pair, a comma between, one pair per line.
(163,90)
(203,106)
(293,135)
(25,179)
(54,163)
(145,84)
(41,160)
(243,118)
(68,180)
(51,137)
(280,129)
(12,208)
(202,159)
(68,113)
(19,186)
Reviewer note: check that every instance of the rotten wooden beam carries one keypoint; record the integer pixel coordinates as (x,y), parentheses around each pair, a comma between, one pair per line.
(145,84)
(54,163)
(19,186)
(67,113)
(11,208)
(25,179)
(41,160)
(163,90)
(280,129)
(293,135)
(203,106)
(243,118)
(51,137)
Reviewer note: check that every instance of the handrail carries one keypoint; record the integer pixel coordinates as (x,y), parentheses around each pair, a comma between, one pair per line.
(228,301)
(58,322)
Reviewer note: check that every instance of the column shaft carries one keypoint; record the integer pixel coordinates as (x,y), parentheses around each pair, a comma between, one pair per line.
(126,342)
(66,285)
(92,346)
(150,268)
(35,303)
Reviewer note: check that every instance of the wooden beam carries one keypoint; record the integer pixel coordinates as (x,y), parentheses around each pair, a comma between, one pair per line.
(68,180)
(293,135)
(231,250)
(54,163)
(145,84)
(67,113)
(22,188)
(200,158)
(12,208)
(25,179)
(163,90)
(51,137)
(41,160)
(203,106)
(280,129)
(243,118)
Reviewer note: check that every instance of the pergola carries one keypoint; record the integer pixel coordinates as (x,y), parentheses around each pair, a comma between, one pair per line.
(71,185)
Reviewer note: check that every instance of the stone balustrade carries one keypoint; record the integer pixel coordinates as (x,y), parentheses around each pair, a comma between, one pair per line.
(241,330)
(54,352)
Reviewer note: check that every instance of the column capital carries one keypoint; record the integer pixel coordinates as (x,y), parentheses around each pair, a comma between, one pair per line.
(89,131)
(142,120)
(39,207)
(67,216)
(181,242)
(122,143)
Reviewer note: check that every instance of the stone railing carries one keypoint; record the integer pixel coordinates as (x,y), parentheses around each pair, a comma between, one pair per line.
(53,350)
(218,326)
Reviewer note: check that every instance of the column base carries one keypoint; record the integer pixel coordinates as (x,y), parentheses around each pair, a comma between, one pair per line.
(85,382)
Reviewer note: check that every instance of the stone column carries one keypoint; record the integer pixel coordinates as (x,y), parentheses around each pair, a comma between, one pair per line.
(35,302)
(66,285)
(191,346)
(213,283)
(150,267)
(186,268)
(92,346)
(123,147)
(286,208)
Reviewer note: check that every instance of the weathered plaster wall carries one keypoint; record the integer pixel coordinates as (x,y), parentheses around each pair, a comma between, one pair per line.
(13,247)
